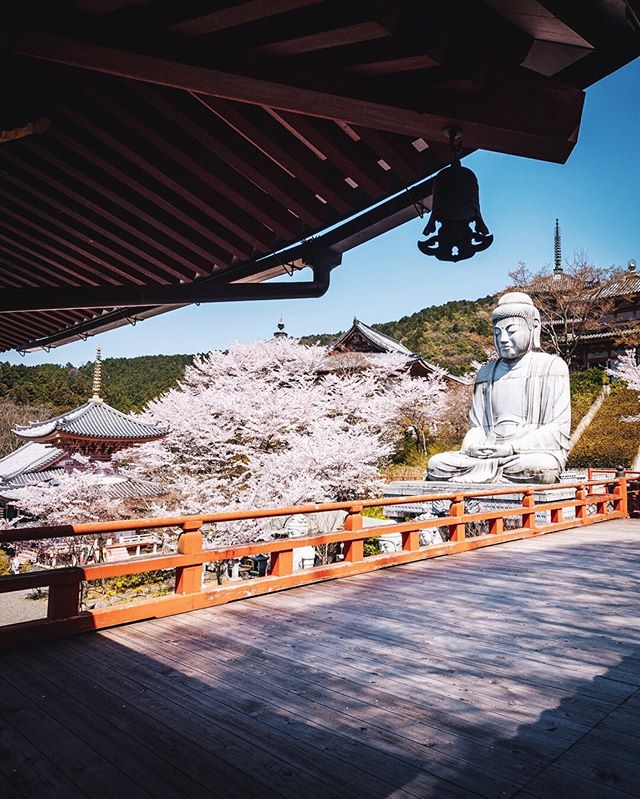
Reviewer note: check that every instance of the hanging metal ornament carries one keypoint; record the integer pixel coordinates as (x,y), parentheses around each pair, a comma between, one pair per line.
(456,207)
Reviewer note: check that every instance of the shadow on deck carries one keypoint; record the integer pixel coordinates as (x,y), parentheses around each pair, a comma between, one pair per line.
(512,671)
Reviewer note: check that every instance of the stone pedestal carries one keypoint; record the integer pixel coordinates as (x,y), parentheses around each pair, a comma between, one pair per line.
(408,488)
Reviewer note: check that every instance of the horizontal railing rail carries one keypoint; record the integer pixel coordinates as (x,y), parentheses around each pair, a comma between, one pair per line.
(607,497)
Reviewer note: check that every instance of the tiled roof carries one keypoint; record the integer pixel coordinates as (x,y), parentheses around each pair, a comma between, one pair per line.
(385,343)
(28,458)
(133,489)
(627,284)
(94,419)
(115,486)
(32,478)
(388,344)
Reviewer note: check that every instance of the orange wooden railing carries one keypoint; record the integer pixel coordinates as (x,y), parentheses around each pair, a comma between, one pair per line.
(606,497)
(633,485)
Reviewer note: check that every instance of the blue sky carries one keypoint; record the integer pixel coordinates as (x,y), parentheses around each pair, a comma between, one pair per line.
(595,195)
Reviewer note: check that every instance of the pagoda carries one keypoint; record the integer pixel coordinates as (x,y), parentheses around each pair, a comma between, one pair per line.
(94,430)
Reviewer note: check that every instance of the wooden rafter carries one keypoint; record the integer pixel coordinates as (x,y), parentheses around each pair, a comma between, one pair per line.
(492,118)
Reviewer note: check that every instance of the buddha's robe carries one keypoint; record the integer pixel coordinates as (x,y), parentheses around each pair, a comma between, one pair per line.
(523,404)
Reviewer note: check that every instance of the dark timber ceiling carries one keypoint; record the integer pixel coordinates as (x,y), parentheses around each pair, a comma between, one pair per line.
(157,153)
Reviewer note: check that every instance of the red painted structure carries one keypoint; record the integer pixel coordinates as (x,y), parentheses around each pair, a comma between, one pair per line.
(606,497)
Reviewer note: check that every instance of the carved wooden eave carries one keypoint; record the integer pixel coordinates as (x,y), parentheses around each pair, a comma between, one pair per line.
(195,150)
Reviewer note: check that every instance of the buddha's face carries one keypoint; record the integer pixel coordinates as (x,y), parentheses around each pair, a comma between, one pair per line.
(512,337)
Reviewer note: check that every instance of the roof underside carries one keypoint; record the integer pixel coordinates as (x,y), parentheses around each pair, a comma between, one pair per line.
(153,154)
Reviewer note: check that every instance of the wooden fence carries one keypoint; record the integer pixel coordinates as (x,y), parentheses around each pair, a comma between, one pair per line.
(594,500)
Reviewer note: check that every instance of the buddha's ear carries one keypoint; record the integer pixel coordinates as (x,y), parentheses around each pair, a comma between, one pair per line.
(535,334)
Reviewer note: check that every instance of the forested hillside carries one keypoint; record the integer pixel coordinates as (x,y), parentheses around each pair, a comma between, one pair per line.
(452,335)
(127,383)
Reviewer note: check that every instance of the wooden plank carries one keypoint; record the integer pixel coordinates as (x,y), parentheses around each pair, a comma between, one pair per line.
(597,759)
(457,651)
(161,760)
(252,744)
(29,771)
(82,765)
(555,781)
(370,687)
(361,768)
(381,727)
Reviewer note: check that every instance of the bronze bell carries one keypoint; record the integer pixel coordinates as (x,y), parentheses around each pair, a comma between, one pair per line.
(456,206)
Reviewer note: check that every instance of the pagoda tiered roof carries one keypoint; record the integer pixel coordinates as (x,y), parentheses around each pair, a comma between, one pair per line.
(93,420)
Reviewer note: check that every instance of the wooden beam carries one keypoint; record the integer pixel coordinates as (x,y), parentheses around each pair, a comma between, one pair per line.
(533,119)
(235,15)
(323,40)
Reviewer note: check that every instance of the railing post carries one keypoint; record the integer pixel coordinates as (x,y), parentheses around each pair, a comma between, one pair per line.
(581,509)
(496,526)
(529,518)
(189,578)
(354,550)
(621,502)
(556,515)
(64,598)
(457,531)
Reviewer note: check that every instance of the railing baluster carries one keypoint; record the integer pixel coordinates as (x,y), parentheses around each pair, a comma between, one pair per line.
(457,532)
(354,550)
(411,540)
(281,563)
(581,509)
(189,578)
(556,515)
(529,518)
(496,526)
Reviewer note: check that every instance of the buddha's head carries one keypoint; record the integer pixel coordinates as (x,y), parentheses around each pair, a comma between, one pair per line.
(516,325)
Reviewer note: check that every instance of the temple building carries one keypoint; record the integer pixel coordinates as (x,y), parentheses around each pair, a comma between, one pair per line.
(601,340)
(620,330)
(94,430)
(361,338)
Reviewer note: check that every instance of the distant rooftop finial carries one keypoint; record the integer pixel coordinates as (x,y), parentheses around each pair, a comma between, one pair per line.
(280,332)
(97,376)
(557,250)
(631,266)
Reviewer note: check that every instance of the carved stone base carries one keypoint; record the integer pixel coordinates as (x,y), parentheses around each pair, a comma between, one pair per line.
(408,488)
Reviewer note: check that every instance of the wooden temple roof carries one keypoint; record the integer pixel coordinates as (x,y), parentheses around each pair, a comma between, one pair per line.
(155,154)
(360,338)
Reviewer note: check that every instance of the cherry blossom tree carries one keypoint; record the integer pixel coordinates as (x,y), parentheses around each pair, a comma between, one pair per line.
(272,424)
(262,425)
(628,370)
(80,495)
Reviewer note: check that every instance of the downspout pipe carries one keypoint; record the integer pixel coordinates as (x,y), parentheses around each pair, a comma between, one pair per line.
(202,291)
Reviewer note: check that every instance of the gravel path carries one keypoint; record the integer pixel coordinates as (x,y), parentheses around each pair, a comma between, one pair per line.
(16,606)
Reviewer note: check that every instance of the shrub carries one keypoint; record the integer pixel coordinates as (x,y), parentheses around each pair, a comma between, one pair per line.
(609,441)
(585,387)
(5,564)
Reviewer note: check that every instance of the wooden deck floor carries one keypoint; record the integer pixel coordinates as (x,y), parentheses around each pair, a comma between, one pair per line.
(512,671)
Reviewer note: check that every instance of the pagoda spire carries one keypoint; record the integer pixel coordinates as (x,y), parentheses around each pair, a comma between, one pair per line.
(557,251)
(280,332)
(97,376)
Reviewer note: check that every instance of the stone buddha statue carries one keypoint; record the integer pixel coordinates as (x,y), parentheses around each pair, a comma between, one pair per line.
(520,415)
